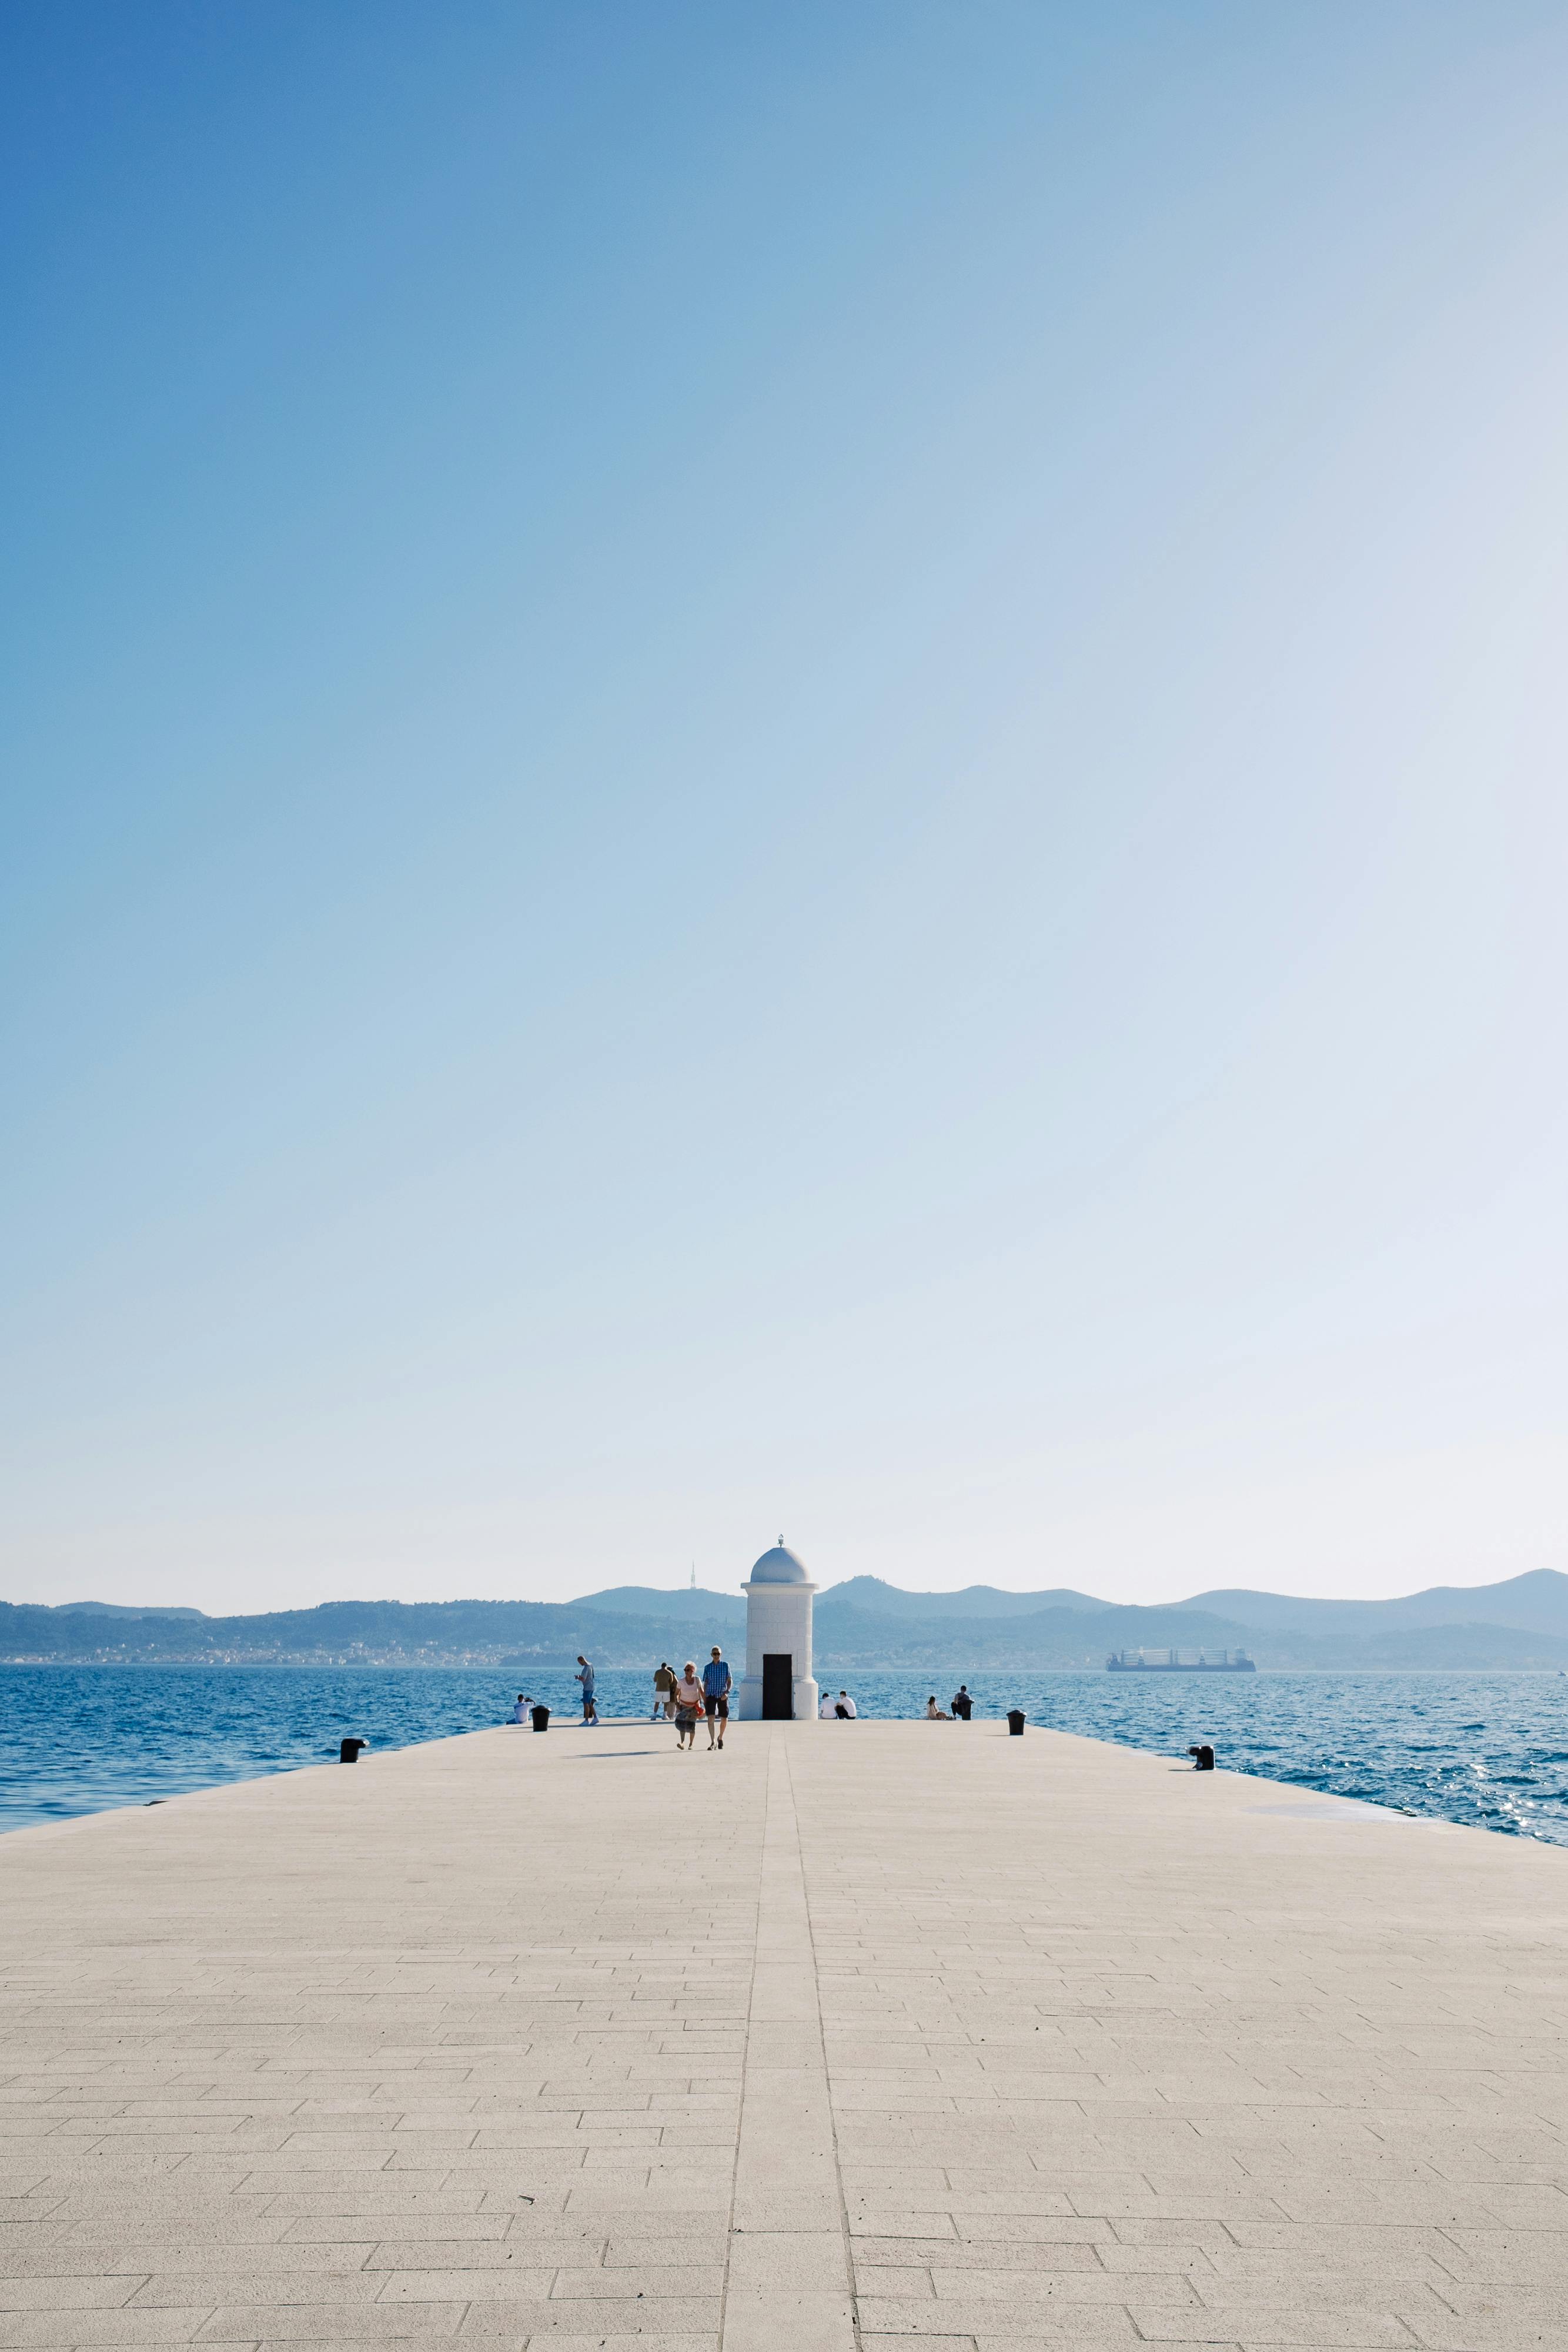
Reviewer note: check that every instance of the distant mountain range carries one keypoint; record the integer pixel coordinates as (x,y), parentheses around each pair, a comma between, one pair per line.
(861,1624)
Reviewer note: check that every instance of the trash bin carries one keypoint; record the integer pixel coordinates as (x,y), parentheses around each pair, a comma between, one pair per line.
(540,1716)
(1015,1722)
(349,1750)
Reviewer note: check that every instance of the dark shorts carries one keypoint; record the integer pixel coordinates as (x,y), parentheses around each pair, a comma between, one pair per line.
(720,1706)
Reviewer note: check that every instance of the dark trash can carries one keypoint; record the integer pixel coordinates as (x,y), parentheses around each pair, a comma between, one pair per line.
(1202,1759)
(349,1750)
(540,1717)
(1015,1722)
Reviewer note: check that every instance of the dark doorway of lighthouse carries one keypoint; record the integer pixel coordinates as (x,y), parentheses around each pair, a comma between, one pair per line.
(778,1686)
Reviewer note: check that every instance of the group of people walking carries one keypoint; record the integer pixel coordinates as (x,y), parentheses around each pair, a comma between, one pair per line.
(686,1702)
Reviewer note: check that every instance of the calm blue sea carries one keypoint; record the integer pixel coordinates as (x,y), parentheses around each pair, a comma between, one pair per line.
(1489,1749)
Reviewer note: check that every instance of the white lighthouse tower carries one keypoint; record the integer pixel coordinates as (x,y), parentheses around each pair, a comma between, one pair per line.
(779,1682)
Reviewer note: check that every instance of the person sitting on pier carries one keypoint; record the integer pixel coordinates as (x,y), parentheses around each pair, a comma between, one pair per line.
(520,1712)
(935,1714)
(961,1702)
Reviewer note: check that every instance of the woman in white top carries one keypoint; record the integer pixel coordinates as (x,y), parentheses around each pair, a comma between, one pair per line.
(688,1707)
(935,1714)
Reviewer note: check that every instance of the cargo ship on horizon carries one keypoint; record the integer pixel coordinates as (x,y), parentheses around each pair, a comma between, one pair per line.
(1133,1662)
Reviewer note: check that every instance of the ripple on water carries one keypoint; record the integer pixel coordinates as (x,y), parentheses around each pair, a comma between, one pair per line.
(1486,1749)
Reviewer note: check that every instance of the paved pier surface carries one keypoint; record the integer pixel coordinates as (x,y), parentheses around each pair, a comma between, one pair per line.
(865,2031)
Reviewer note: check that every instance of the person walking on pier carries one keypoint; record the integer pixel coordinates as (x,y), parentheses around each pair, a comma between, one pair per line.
(589,1711)
(716,1697)
(663,1692)
(688,1707)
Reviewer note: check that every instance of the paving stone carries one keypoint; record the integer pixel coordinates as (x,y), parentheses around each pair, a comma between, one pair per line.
(1034,2043)
(69,2293)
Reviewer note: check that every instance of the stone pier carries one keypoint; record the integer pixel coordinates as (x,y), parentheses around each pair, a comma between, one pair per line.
(854,2033)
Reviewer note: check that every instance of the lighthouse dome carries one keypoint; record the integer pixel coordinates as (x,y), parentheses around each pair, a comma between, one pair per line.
(779,1567)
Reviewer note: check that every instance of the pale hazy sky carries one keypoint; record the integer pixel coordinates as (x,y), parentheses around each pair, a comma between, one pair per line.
(782,767)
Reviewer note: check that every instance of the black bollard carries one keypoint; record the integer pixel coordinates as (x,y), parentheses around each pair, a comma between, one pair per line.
(1015,1722)
(540,1717)
(349,1750)
(1203,1759)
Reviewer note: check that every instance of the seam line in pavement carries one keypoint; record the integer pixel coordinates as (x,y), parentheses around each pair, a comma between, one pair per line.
(822,2045)
(787,2284)
(740,2116)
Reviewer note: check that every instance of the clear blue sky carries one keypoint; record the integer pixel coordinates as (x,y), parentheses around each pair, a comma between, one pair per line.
(782,766)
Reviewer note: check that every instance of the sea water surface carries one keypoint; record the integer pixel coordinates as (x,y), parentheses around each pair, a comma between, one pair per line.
(1486,1749)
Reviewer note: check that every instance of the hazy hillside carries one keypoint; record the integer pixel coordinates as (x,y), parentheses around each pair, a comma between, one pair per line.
(848,1639)
(1050,1637)
(1481,1647)
(868,1596)
(369,1632)
(722,1613)
(861,1624)
(1534,1603)
(115,1608)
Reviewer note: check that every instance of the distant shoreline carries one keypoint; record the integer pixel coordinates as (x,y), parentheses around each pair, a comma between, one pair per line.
(861,1626)
(509,1669)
